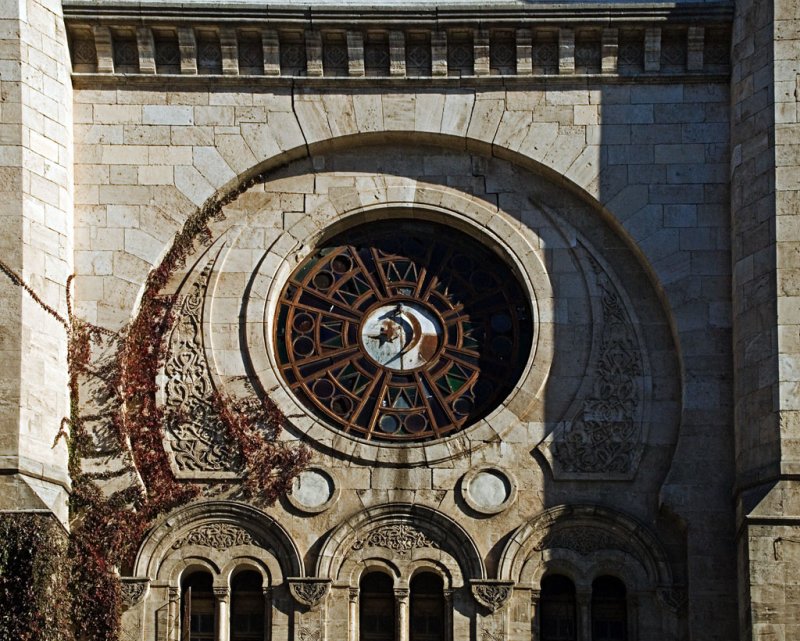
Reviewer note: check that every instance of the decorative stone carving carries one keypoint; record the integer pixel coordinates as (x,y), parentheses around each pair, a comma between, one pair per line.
(307,634)
(492,594)
(309,591)
(489,635)
(583,540)
(398,538)
(219,536)
(196,439)
(133,591)
(673,598)
(604,436)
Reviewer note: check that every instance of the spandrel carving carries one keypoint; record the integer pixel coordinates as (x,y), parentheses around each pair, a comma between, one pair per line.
(219,536)
(402,539)
(197,440)
(604,435)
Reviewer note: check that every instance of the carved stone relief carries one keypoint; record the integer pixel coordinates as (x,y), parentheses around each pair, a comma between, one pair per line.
(133,591)
(193,435)
(401,539)
(673,598)
(219,536)
(305,633)
(492,594)
(309,592)
(490,635)
(583,540)
(603,435)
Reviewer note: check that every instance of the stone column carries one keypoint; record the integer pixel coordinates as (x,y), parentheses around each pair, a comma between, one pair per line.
(352,612)
(174,615)
(222,599)
(448,615)
(583,602)
(536,633)
(267,613)
(401,613)
(633,616)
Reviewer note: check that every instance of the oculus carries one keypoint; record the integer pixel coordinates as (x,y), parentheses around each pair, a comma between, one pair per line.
(402,331)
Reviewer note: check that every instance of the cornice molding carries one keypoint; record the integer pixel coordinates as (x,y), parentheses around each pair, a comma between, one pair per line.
(438,16)
(376,46)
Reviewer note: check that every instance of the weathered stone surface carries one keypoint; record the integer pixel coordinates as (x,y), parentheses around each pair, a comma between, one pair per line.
(640,178)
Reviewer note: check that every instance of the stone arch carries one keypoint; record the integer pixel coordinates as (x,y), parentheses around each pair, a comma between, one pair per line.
(582,536)
(366,566)
(405,535)
(244,563)
(216,534)
(579,184)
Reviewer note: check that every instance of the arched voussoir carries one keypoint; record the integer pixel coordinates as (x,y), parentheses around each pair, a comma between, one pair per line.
(220,531)
(586,532)
(406,533)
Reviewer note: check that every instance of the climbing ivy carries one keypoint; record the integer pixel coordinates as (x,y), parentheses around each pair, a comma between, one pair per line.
(107,530)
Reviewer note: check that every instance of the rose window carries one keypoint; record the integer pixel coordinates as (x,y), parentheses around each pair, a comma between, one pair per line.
(402,331)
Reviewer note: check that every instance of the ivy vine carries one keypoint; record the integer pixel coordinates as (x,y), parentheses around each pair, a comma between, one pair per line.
(107,530)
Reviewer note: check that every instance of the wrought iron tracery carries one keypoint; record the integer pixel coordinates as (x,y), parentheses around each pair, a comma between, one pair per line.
(402,331)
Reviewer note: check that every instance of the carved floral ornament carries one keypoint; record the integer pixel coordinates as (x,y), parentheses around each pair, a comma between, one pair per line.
(219,536)
(399,538)
(492,594)
(582,539)
(604,433)
(196,440)
(674,598)
(133,591)
(309,591)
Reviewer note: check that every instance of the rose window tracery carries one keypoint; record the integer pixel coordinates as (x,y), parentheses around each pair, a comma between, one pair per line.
(402,331)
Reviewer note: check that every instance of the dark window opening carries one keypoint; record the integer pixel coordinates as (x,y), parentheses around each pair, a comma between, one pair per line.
(557,609)
(609,610)
(197,606)
(247,607)
(427,607)
(376,608)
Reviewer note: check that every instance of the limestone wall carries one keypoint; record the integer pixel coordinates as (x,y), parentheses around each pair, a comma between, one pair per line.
(593,157)
(764,213)
(146,159)
(36,243)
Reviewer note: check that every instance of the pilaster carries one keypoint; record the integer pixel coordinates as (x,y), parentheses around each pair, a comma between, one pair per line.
(36,241)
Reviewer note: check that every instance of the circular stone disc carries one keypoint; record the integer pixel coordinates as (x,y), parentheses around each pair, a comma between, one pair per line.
(402,336)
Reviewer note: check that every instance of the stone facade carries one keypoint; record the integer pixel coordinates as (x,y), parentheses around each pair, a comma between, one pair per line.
(635,169)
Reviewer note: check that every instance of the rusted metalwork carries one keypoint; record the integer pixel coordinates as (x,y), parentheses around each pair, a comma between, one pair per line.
(402,331)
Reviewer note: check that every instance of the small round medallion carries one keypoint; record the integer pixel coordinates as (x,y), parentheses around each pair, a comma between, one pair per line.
(402,336)
(313,490)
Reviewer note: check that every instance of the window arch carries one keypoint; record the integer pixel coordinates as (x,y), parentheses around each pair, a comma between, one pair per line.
(609,609)
(376,607)
(247,607)
(557,611)
(427,607)
(197,607)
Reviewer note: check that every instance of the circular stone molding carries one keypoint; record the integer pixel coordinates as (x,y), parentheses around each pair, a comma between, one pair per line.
(402,330)
(518,248)
(488,489)
(314,490)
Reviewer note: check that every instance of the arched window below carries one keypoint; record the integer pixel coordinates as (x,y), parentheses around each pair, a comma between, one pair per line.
(557,618)
(609,610)
(376,608)
(197,606)
(427,607)
(247,607)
